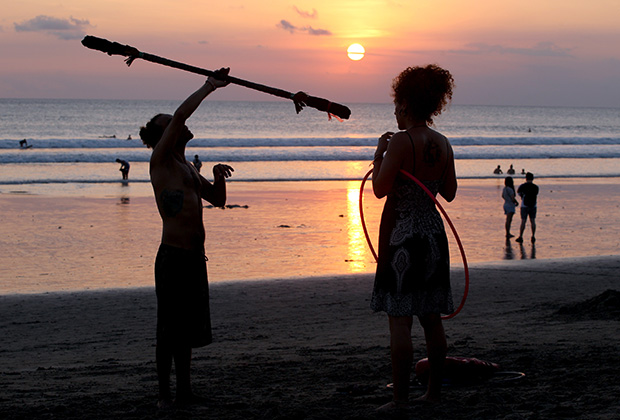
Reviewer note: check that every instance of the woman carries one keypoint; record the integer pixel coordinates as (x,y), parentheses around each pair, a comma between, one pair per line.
(413,272)
(508,194)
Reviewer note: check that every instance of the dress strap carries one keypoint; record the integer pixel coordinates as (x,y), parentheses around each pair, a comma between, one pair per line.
(443,175)
(413,148)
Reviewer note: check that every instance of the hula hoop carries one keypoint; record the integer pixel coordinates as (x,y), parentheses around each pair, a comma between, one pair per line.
(445,215)
(496,378)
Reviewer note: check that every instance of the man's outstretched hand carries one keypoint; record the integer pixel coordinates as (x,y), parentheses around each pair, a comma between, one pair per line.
(222,171)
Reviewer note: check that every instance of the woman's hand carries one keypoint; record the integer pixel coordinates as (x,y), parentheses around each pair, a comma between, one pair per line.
(221,171)
(383,144)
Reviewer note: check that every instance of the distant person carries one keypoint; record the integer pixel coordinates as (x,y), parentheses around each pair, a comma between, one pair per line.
(24,144)
(510,202)
(522,171)
(124,168)
(528,193)
(181,284)
(129,137)
(498,170)
(510,171)
(413,268)
(197,163)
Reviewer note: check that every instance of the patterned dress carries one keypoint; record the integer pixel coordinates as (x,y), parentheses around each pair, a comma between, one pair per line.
(413,269)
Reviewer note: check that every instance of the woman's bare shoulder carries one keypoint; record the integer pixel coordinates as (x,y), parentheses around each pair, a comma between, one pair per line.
(400,139)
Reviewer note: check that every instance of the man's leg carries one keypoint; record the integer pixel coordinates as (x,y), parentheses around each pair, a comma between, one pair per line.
(522,228)
(182,366)
(533,225)
(163,358)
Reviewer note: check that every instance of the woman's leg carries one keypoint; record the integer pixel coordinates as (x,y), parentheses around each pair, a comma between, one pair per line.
(508,223)
(402,355)
(436,347)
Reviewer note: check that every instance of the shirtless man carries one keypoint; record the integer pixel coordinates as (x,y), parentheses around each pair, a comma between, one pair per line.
(183,317)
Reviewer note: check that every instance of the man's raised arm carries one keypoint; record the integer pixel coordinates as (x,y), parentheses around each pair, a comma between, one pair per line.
(187,108)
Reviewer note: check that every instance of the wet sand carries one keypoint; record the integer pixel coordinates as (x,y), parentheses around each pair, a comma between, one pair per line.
(312,349)
(272,230)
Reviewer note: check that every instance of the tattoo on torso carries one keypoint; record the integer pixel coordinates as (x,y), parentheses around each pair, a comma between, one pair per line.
(431,153)
(172,202)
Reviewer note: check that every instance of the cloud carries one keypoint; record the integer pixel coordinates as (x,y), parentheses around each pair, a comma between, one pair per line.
(313,31)
(542,49)
(66,29)
(305,14)
(288,26)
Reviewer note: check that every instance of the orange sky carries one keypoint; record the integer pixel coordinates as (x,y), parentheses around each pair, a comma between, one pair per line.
(529,52)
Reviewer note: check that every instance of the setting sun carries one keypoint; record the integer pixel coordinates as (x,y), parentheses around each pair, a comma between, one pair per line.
(355,52)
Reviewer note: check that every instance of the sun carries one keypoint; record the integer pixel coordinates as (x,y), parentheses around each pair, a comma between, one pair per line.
(356,52)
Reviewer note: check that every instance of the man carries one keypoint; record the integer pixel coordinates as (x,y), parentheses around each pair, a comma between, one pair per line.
(183,317)
(528,192)
(197,163)
(124,168)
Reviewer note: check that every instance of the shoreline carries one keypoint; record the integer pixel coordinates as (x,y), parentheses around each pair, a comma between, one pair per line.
(314,349)
(140,186)
(279,230)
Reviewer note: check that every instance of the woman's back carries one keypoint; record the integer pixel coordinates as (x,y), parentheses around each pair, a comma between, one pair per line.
(430,154)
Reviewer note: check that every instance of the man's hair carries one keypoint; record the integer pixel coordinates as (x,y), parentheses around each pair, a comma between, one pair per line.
(426,91)
(152,132)
(529,176)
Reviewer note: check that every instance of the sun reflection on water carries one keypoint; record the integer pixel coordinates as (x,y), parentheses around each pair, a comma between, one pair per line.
(358,252)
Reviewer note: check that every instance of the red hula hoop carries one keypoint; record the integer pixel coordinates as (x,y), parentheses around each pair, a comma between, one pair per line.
(445,215)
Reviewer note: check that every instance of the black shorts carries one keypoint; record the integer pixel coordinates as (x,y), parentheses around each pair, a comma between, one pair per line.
(182,288)
(528,211)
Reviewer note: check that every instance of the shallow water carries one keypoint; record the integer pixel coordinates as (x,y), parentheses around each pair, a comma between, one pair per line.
(288,230)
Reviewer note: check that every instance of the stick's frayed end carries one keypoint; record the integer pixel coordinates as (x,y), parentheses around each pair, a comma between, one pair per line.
(299,99)
(110,48)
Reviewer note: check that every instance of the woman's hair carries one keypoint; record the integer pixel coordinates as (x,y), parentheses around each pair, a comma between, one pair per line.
(152,132)
(426,91)
(509,182)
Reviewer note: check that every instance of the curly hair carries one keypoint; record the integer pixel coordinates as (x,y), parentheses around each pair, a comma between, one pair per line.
(152,132)
(426,91)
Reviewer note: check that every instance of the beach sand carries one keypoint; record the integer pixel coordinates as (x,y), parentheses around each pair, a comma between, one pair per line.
(312,349)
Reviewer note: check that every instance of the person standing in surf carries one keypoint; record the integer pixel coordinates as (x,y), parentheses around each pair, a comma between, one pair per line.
(124,168)
(181,283)
(528,192)
(510,202)
(413,267)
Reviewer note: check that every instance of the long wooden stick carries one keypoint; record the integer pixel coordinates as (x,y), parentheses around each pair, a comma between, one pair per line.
(300,99)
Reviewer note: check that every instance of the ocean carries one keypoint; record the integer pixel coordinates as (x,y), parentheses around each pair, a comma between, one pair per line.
(74,143)
(69,223)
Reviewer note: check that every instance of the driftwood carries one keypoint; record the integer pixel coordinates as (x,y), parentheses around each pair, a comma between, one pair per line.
(300,99)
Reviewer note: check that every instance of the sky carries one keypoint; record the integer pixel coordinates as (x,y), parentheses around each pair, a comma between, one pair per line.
(527,52)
